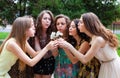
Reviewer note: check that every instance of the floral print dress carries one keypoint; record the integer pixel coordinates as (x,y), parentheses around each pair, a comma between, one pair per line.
(64,67)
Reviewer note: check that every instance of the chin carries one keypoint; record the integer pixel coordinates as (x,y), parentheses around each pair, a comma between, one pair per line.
(32,35)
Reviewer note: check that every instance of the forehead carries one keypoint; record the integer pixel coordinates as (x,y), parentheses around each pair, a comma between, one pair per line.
(81,18)
(72,23)
(46,15)
(61,20)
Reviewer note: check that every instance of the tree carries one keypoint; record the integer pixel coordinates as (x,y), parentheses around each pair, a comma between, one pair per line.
(107,10)
(7,10)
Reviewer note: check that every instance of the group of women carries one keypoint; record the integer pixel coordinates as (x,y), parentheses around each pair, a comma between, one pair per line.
(86,50)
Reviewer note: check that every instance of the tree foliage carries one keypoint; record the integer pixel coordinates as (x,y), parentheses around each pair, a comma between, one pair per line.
(107,10)
(7,10)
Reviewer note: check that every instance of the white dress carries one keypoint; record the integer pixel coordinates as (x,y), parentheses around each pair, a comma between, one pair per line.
(110,62)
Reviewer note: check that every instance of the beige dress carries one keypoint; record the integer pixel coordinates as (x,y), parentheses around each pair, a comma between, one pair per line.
(110,62)
(7,60)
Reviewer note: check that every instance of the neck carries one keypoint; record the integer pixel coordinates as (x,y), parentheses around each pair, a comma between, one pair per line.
(77,38)
(89,34)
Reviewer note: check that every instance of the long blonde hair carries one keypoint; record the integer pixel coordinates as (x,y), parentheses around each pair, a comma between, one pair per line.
(19,27)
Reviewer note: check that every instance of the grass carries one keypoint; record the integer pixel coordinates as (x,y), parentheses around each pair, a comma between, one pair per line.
(118,50)
(3,35)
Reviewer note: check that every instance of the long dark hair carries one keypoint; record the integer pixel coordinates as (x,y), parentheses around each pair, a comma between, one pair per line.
(83,36)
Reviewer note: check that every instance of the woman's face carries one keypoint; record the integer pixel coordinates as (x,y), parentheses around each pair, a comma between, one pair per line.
(81,25)
(72,29)
(31,31)
(46,20)
(61,25)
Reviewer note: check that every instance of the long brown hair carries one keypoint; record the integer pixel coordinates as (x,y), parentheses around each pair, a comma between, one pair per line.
(67,19)
(19,27)
(94,26)
(39,24)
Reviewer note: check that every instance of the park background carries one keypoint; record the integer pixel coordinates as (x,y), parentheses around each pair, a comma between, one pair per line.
(107,10)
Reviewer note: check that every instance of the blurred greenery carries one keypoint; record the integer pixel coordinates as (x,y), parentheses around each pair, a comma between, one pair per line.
(118,50)
(107,10)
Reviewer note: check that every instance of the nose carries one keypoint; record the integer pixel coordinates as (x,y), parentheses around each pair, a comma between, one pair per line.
(60,25)
(47,20)
(70,28)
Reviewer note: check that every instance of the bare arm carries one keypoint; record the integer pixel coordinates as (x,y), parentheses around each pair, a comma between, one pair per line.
(14,48)
(70,55)
(83,49)
(30,50)
(98,43)
(55,52)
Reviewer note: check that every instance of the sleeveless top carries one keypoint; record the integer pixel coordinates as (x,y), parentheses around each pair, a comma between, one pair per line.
(7,60)
(89,70)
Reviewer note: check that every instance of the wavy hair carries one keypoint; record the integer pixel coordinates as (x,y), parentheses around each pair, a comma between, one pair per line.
(39,24)
(94,26)
(82,35)
(67,19)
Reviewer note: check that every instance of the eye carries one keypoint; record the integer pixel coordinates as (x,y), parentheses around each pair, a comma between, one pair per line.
(63,23)
(45,18)
(72,26)
(57,23)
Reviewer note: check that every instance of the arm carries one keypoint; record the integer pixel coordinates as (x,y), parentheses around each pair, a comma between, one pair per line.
(55,52)
(83,49)
(15,48)
(97,44)
(70,55)
(37,47)
(30,50)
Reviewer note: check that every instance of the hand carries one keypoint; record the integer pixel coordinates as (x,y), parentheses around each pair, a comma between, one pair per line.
(52,45)
(62,43)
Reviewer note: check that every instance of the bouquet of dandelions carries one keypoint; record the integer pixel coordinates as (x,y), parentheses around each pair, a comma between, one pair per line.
(56,35)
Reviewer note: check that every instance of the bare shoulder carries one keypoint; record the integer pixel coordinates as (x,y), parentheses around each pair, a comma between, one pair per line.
(11,45)
(100,40)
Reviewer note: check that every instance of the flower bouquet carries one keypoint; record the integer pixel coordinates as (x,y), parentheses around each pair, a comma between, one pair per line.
(56,35)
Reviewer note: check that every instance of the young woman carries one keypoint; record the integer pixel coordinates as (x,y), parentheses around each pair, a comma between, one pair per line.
(16,46)
(63,66)
(44,26)
(103,46)
(81,42)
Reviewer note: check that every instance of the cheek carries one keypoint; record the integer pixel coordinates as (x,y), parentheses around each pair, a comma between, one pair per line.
(30,33)
(73,32)
(81,28)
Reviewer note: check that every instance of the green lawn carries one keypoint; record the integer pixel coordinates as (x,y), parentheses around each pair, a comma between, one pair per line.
(119,44)
(3,35)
